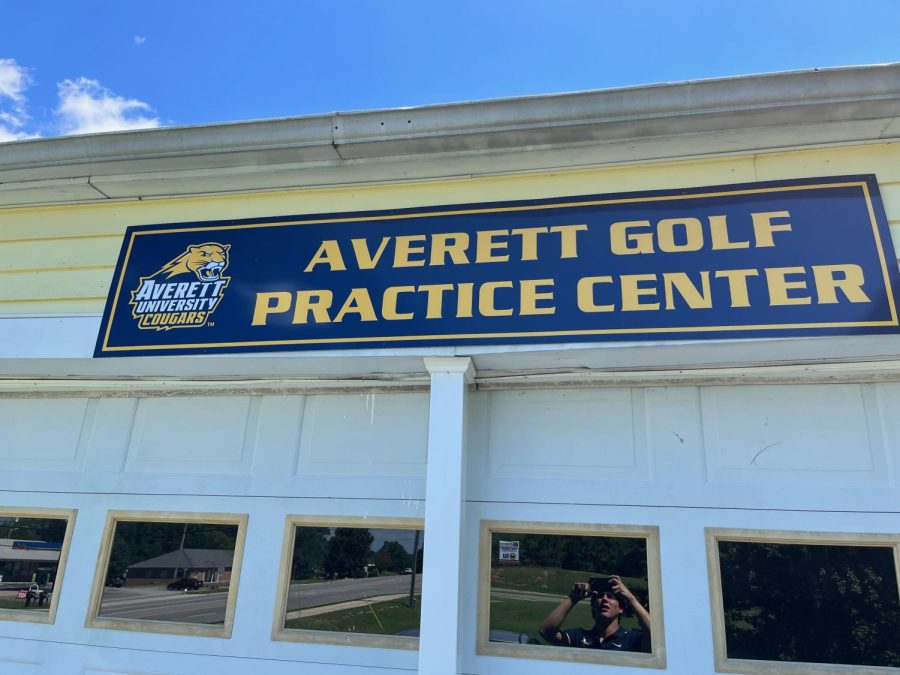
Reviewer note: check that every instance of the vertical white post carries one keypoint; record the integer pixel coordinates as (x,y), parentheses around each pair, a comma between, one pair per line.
(444,494)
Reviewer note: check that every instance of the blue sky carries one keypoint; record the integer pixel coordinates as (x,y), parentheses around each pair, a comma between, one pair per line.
(85,66)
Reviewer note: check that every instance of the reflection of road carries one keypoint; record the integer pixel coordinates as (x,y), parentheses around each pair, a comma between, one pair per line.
(343,590)
(513,594)
(155,603)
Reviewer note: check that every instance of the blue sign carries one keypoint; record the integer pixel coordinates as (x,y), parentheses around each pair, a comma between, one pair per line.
(37,545)
(788,258)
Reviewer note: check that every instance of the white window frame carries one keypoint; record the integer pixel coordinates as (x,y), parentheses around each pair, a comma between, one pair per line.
(649,533)
(280,633)
(94,620)
(33,616)
(760,667)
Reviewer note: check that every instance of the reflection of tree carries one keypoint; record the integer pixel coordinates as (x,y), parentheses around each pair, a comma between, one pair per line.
(348,552)
(34,529)
(309,552)
(626,556)
(825,604)
(393,557)
(137,541)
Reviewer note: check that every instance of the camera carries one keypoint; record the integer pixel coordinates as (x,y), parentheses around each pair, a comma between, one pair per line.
(600,584)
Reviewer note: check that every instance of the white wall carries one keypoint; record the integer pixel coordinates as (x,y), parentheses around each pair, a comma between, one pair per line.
(788,457)
(266,456)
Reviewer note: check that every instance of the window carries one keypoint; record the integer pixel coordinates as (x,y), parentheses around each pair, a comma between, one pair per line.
(783,602)
(588,593)
(33,547)
(351,581)
(168,573)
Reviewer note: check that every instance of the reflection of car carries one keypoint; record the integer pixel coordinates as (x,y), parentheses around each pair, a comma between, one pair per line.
(186,584)
(116,581)
(509,636)
(406,570)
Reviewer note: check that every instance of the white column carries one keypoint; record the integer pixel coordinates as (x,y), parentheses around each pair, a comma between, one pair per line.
(444,493)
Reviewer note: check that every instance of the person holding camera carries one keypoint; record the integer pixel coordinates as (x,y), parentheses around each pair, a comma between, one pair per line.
(610,600)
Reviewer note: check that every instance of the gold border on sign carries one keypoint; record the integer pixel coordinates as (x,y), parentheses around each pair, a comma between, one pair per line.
(893,321)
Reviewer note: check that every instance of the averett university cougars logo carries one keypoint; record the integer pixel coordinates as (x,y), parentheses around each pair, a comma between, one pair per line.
(191,297)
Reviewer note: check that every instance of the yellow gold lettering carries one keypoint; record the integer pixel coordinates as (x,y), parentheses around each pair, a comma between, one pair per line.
(625,242)
(718,228)
(486,298)
(737,285)
(389,303)
(441,246)
(485,246)
(364,258)
(317,302)
(529,237)
(632,292)
(329,253)
(435,301)
(567,239)
(693,234)
(681,282)
(850,283)
(403,249)
(763,227)
(586,294)
(357,302)
(529,297)
(464,293)
(779,286)
(264,306)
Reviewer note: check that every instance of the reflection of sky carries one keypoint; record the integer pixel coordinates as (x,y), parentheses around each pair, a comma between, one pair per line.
(405,537)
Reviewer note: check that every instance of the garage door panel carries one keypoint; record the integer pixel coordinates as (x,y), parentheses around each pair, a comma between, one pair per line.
(804,434)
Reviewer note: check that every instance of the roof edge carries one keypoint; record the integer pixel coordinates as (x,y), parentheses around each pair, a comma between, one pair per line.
(813,100)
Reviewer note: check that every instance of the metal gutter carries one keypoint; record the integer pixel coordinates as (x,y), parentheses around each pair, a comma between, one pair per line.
(646,123)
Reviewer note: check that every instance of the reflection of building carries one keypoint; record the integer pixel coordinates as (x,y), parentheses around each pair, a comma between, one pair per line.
(206,564)
(22,560)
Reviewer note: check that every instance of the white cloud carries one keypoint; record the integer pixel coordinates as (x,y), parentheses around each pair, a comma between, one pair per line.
(87,107)
(139,40)
(14,80)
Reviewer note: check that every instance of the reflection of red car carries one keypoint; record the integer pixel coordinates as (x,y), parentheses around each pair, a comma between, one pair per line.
(185,583)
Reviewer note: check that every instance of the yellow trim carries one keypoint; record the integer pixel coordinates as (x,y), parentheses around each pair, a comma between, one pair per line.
(884,269)
(73,299)
(71,268)
(65,237)
(500,209)
(462,336)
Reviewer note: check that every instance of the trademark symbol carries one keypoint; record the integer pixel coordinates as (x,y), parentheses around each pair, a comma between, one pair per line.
(211,324)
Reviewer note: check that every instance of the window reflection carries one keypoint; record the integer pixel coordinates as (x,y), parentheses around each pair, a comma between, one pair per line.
(355,580)
(581,592)
(30,550)
(169,571)
(810,603)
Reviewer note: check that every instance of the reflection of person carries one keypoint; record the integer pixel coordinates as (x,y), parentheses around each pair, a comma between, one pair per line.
(610,599)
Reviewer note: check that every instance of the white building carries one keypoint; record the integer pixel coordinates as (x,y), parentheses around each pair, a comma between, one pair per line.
(680,440)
